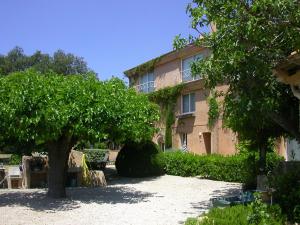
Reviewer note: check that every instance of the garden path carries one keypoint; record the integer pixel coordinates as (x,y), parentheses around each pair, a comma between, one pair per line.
(136,201)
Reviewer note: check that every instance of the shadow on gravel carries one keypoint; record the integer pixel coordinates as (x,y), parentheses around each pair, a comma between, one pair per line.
(38,201)
(129,180)
(230,191)
(203,206)
(113,178)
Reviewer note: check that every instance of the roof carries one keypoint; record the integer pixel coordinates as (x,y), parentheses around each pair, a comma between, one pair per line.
(288,71)
(162,59)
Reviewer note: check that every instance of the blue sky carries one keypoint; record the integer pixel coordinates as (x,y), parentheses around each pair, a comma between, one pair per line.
(112,36)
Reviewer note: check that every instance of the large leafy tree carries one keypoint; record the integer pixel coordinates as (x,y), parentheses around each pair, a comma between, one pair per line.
(61,62)
(251,37)
(56,111)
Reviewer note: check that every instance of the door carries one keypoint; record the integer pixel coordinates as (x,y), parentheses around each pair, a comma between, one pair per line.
(207,142)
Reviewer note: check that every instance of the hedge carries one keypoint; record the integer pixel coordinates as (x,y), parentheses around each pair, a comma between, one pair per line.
(236,168)
(94,157)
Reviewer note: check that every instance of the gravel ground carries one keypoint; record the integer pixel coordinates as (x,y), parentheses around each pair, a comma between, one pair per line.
(140,201)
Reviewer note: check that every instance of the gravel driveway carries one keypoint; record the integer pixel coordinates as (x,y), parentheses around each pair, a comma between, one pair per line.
(139,201)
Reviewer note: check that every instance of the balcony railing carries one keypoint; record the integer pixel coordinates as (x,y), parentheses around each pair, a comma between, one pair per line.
(146,87)
(186,76)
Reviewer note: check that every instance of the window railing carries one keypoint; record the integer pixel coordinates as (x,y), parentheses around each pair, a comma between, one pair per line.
(186,76)
(146,87)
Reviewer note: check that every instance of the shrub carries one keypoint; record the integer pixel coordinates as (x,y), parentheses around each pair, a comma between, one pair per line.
(287,193)
(139,160)
(261,213)
(191,221)
(94,157)
(240,215)
(237,168)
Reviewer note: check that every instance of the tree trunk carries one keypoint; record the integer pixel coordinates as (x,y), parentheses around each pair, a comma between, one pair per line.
(58,153)
(262,159)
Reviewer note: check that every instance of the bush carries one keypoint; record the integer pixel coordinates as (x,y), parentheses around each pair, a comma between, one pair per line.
(139,160)
(94,158)
(15,159)
(237,168)
(287,193)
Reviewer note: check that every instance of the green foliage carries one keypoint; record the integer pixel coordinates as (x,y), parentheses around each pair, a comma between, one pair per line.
(15,159)
(213,111)
(95,158)
(238,215)
(287,193)
(260,213)
(82,144)
(145,67)
(170,119)
(60,62)
(139,160)
(191,221)
(235,215)
(251,38)
(86,179)
(37,109)
(166,98)
(94,155)
(296,213)
(236,168)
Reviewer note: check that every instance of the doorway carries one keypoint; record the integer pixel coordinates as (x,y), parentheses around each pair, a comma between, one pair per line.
(207,142)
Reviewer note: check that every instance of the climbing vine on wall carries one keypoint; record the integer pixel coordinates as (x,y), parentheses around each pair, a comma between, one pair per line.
(143,68)
(166,99)
(213,111)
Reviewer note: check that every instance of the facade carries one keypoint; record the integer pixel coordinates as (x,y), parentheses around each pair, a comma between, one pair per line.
(190,131)
(288,72)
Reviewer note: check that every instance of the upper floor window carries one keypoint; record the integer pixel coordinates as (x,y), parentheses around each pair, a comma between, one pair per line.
(188,103)
(186,67)
(146,83)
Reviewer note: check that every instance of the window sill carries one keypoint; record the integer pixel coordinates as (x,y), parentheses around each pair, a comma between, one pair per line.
(190,81)
(185,115)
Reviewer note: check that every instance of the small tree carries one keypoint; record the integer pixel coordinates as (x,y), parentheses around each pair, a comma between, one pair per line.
(251,38)
(56,111)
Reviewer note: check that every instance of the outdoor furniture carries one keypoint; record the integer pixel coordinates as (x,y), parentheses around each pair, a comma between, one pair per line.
(3,184)
(14,177)
(35,170)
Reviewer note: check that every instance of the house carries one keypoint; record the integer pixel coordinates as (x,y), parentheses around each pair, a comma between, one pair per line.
(288,72)
(190,130)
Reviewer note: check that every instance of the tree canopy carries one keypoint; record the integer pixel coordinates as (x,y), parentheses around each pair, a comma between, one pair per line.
(56,111)
(60,62)
(250,39)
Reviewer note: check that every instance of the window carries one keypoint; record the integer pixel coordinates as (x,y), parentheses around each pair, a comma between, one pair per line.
(146,83)
(186,67)
(188,103)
